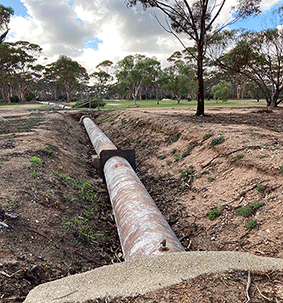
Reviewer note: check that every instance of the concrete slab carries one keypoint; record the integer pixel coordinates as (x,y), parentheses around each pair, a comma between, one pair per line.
(144,275)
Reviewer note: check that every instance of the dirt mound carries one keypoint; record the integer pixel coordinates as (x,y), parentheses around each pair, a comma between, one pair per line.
(55,215)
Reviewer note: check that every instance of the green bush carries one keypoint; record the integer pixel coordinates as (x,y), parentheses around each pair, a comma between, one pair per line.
(15,99)
(221,91)
(281,170)
(94,104)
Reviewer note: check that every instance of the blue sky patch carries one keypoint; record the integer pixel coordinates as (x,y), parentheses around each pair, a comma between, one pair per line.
(17,6)
(93,43)
(262,22)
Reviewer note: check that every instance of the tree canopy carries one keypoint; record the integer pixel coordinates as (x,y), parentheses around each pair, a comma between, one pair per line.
(5,15)
(198,20)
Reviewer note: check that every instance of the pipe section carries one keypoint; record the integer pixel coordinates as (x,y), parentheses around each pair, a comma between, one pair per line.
(143,231)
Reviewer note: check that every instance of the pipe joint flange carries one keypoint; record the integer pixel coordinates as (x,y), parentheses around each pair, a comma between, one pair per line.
(82,117)
(129,155)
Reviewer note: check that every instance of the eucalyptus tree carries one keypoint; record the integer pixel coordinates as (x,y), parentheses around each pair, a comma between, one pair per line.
(66,73)
(5,15)
(179,79)
(259,58)
(197,19)
(221,91)
(133,72)
(17,67)
(102,77)
(7,62)
(25,71)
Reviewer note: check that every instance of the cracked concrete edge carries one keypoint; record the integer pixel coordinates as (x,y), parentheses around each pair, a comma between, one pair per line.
(145,275)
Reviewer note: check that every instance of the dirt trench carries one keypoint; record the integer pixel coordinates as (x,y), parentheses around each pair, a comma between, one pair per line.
(56,215)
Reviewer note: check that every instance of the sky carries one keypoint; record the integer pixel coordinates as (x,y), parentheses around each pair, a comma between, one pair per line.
(91,31)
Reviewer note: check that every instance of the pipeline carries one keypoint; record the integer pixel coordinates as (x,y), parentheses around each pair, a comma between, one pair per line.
(55,104)
(142,229)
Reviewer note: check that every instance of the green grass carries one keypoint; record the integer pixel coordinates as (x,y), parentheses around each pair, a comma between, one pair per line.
(117,104)
(281,170)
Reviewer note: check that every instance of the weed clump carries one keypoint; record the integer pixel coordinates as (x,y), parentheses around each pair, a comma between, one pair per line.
(251,224)
(217,141)
(213,214)
(281,170)
(249,208)
(186,153)
(172,139)
(261,188)
(36,160)
(46,152)
(186,173)
(207,136)
(52,146)
(240,156)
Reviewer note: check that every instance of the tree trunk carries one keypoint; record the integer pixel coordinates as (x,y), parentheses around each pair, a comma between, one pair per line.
(68,97)
(22,96)
(200,105)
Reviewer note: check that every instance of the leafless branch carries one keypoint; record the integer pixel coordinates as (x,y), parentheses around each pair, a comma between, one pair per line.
(270,300)
(248,287)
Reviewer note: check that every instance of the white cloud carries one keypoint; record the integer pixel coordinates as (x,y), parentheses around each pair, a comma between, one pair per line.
(62,27)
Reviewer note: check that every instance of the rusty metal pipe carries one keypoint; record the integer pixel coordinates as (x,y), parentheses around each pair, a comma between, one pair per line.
(142,229)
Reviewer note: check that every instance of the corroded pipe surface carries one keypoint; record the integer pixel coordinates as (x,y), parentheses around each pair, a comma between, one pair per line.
(98,139)
(142,229)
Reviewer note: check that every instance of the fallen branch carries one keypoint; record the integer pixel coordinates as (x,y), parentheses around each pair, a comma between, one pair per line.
(3,273)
